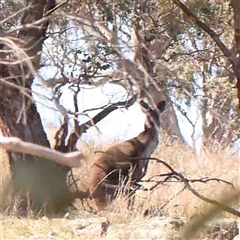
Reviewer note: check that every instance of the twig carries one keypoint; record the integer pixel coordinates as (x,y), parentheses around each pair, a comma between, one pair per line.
(49,12)
(178,193)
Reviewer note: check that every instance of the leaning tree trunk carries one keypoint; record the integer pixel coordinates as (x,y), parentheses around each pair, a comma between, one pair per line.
(170,122)
(143,56)
(42,180)
(236,65)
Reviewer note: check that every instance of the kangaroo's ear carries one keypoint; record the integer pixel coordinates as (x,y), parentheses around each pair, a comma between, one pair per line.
(161,106)
(144,106)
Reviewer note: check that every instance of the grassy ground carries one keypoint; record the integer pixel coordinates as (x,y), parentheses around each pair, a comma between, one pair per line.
(163,202)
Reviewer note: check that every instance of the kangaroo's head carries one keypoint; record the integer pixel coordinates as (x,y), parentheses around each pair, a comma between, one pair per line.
(153,115)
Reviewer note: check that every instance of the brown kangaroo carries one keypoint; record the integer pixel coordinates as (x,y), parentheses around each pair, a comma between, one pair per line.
(121,160)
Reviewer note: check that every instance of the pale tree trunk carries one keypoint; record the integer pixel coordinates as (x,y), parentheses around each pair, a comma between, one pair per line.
(216,131)
(140,75)
(170,122)
(155,89)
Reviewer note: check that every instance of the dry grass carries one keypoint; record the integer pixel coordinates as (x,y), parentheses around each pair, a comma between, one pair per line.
(217,165)
(182,159)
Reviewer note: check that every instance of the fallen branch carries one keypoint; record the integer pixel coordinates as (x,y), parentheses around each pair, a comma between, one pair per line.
(14,144)
(187,183)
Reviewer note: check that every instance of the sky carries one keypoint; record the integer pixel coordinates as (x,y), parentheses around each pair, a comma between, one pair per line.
(121,124)
(118,125)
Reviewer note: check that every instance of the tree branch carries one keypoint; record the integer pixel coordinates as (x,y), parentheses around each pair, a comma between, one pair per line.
(85,126)
(231,56)
(72,159)
(207,29)
(180,178)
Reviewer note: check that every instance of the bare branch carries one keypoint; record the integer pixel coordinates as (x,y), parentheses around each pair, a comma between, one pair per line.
(84,127)
(55,8)
(180,178)
(72,159)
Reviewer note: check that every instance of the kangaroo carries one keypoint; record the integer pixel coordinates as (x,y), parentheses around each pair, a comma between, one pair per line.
(121,160)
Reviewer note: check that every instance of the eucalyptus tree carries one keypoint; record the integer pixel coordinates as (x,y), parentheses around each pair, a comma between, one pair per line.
(186,53)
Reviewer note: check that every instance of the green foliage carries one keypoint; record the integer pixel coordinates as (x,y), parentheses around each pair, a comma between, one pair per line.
(173,39)
(186,49)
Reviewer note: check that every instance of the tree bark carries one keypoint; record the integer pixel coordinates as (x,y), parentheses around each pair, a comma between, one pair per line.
(170,122)
(18,111)
(152,92)
(38,180)
(236,18)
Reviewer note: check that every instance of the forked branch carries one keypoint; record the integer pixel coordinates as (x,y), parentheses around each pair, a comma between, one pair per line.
(187,183)
(14,144)
(79,130)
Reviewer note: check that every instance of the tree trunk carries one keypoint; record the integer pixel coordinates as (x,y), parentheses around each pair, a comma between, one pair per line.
(40,180)
(170,122)
(236,67)
(154,95)
(18,111)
